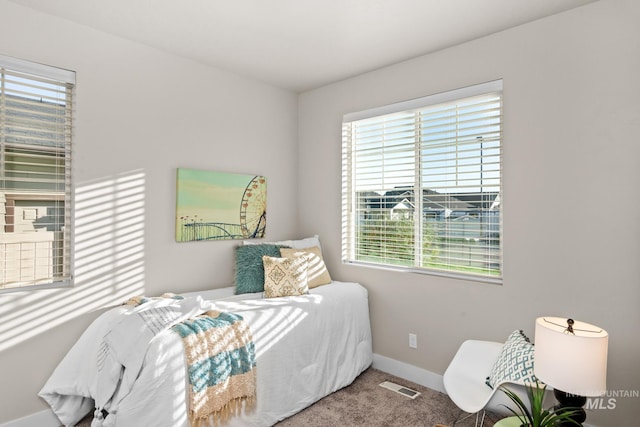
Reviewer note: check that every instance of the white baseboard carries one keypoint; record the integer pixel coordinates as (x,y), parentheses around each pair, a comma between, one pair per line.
(409,372)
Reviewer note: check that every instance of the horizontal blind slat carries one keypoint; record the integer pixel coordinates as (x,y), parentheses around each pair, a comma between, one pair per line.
(35,177)
(455,148)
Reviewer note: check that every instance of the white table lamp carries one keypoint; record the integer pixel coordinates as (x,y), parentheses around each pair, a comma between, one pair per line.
(571,357)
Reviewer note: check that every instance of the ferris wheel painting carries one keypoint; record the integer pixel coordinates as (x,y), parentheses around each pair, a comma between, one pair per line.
(219,205)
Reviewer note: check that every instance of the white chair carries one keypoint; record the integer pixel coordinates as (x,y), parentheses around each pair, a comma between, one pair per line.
(464,381)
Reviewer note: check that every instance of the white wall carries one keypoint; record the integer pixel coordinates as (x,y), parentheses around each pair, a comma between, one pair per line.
(140,114)
(571,200)
(572,215)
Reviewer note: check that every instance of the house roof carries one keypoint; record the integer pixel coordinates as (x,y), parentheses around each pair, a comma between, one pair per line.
(432,200)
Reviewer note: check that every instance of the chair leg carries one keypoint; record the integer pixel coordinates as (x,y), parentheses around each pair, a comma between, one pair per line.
(480,417)
(464,418)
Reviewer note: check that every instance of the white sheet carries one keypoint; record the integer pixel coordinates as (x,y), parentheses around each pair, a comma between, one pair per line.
(306,347)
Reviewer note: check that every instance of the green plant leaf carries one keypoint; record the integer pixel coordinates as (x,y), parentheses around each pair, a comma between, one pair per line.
(535,414)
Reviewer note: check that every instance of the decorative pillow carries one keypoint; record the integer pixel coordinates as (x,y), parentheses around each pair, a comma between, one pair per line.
(318,273)
(298,244)
(285,277)
(249,275)
(515,363)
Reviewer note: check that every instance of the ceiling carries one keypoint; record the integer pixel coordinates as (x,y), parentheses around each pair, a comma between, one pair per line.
(301,44)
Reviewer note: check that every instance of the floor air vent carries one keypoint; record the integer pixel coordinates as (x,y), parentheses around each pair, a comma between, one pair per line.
(412,394)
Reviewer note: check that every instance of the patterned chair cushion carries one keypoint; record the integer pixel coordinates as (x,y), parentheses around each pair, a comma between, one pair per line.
(515,363)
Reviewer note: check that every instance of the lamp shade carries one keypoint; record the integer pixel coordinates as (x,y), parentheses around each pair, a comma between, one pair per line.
(575,363)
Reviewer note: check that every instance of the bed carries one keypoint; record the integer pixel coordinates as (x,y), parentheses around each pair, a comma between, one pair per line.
(306,347)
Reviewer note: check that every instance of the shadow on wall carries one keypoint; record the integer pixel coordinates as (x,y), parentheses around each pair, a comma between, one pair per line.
(109,261)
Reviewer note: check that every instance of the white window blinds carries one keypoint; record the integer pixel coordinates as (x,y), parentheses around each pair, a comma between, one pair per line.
(422,184)
(35,174)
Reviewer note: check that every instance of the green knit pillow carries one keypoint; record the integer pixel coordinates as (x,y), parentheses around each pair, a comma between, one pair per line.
(249,267)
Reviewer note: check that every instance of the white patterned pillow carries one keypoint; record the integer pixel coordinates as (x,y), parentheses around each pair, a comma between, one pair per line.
(285,276)
(515,363)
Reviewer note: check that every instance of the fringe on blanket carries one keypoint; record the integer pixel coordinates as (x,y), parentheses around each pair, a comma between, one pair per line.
(137,300)
(220,355)
(233,408)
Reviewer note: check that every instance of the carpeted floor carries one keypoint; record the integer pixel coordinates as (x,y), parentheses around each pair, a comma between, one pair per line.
(365,403)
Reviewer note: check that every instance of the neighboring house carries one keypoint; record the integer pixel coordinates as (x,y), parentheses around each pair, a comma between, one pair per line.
(463,215)
(403,210)
(31,194)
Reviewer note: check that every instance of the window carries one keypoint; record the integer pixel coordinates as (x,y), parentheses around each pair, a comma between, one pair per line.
(422,184)
(35,174)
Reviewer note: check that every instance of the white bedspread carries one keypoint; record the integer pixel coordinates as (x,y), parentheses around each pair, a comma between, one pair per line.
(306,347)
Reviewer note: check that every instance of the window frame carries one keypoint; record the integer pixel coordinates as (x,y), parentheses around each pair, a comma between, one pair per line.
(45,179)
(350,197)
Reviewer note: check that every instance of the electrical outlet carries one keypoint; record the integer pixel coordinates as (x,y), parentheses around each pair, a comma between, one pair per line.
(413,341)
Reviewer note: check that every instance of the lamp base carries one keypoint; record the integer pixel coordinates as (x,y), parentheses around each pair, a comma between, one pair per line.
(568,401)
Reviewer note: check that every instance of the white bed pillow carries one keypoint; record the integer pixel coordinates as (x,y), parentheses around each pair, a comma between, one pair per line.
(318,273)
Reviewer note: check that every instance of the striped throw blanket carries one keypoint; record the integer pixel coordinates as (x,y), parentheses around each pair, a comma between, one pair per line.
(220,356)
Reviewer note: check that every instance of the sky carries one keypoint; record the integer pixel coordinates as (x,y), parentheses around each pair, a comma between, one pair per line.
(212,196)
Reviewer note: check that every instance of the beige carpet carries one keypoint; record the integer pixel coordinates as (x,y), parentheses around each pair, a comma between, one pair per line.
(365,403)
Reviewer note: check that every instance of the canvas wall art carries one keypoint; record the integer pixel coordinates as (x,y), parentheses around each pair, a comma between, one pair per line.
(219,206)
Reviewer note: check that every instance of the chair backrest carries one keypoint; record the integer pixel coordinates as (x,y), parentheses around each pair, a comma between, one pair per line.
(465,379)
